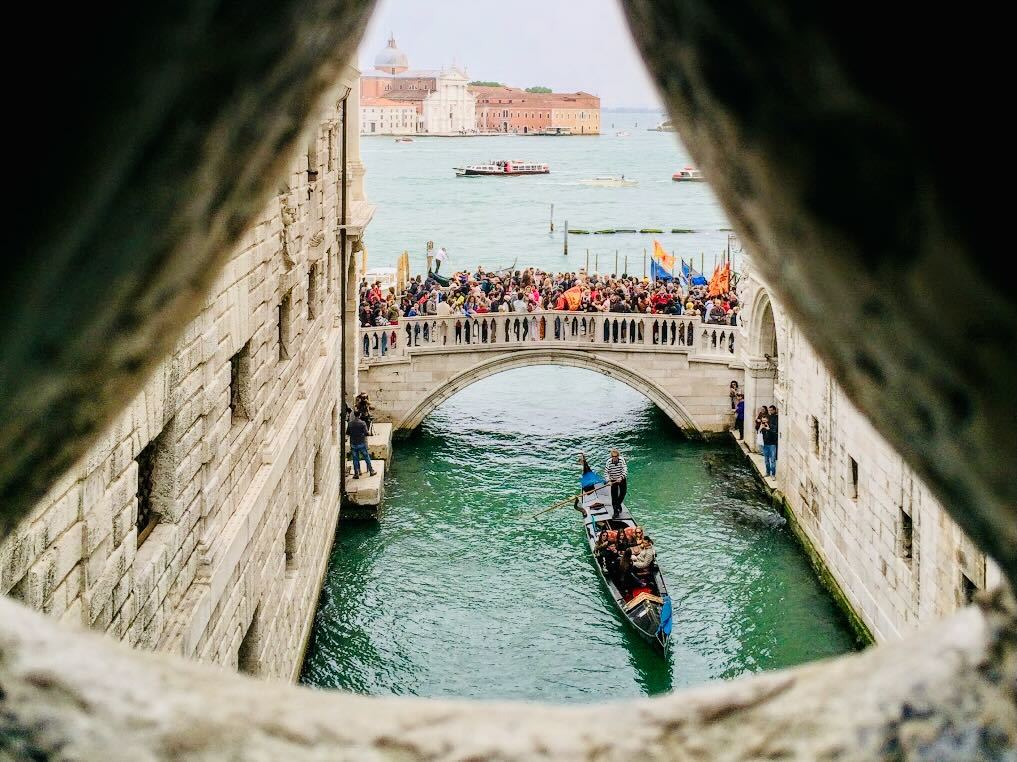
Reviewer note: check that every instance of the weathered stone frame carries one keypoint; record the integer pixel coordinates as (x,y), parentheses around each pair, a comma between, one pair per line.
(784,106)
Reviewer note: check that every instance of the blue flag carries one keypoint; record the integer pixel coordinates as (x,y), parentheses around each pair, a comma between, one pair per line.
(696,277)
(659,273)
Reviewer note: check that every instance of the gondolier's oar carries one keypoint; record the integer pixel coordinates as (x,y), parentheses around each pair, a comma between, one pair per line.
(557,505)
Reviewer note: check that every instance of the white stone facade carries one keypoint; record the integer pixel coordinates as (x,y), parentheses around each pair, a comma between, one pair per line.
(898,558)
(232,443)
(451,108)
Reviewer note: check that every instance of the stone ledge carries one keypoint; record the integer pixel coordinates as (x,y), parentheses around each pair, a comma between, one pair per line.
(944,693)
(367,491)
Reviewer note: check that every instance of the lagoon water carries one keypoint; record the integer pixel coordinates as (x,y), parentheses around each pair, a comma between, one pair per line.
(458,591)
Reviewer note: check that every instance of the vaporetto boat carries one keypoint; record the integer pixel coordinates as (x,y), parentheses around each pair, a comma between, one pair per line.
(503,167)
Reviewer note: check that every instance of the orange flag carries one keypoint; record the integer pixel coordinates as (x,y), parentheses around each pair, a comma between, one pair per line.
(573,298)
(666,260)
(720,283)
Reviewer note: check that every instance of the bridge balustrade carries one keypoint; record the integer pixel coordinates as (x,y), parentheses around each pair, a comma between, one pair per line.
(628,332)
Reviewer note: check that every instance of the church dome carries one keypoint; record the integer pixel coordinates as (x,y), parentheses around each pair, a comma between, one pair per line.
(391,57)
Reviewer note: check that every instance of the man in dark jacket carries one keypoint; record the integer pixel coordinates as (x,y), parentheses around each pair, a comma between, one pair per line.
(740,416)
(769,430)
(357,431)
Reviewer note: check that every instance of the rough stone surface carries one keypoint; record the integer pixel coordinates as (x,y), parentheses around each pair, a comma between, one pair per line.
(948,696)
(185,117)
(825,138)
(891,549)
(249,498)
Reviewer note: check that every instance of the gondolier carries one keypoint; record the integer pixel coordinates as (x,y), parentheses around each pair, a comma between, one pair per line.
(440,257)
(617,472)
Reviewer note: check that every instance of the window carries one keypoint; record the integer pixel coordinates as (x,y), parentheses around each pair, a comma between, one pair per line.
(312,158)
(283,318)
(335,422)
(312,291)
(316,473)
(905,544)
(291,544)
(155,482)
(967,589)
(247,654)
(328,271)
(240,384)
(814,429)
(853,491)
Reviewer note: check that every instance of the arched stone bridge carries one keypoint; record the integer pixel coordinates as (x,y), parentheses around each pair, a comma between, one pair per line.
(681,364)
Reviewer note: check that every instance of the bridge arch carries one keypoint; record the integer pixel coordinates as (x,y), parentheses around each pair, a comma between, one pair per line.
(672,407)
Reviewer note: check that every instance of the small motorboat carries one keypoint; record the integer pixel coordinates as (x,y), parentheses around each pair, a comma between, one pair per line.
(610,182)
(688,175)
(622,134)
(404,140)
(649,609)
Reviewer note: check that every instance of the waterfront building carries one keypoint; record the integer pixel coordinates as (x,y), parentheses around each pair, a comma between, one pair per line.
(512,109)
(201,521)
(440,98)
(387,116)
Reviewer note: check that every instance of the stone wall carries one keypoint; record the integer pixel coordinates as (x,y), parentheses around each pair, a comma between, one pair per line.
(899,559)
(201,520)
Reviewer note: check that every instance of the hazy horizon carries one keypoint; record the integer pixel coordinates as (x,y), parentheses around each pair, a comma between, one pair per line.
(569,45)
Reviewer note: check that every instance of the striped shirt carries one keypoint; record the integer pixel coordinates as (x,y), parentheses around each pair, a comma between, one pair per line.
(616,471)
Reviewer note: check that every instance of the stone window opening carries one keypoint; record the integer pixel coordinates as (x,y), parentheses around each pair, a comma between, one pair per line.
(312,160)
(316,474)
(334,417)
(284,319)
(853,487)
(247,653)
(905,546)
(156,479)
(290,544)
(968,589)
(814,430)
(312,291)
(240,385)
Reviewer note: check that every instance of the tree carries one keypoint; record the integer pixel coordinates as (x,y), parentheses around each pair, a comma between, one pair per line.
(480,83)
(538,89)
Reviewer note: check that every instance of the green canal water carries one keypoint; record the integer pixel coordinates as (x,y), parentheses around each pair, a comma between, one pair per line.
(458,591)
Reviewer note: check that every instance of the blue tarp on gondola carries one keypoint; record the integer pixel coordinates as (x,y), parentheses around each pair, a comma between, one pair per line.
(665,618)
(590,479)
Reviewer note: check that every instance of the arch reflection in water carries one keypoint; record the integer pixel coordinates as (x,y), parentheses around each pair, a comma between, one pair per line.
(459,593)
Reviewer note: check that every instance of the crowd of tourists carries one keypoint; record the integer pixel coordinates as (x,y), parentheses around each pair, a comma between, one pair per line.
(534,290)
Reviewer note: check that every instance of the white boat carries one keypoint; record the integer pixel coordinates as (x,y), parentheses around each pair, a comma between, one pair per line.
(404,140)
(610,182)
(556,131)
(504,168)
(688,175)
(622,133)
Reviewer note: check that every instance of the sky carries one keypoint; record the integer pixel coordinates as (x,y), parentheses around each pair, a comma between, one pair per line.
(566,45)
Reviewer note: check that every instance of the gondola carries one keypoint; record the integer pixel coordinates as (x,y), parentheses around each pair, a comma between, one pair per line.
(440,280)
(649,613)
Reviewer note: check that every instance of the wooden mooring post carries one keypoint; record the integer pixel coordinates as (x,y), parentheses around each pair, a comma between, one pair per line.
(552,218)
(565,248)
